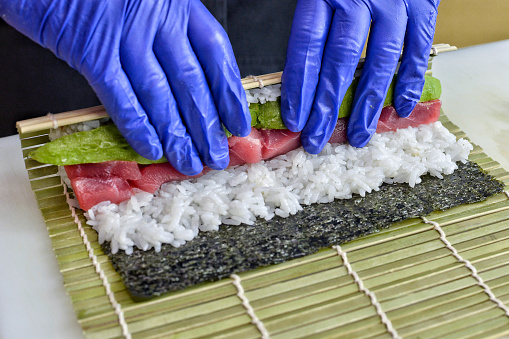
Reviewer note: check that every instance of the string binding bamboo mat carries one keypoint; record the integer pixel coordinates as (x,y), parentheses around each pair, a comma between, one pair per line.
(404,281)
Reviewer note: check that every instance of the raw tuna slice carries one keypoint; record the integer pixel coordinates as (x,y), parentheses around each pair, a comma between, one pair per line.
(242,150)
(91,191)
(423,113)
(128,170)
(247,149)
(278,141)
(339,134)
(153,176)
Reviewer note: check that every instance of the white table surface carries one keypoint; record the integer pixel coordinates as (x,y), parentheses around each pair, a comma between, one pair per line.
(33,303)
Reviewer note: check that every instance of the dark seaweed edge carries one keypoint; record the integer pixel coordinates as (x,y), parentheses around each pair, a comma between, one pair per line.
(234,249)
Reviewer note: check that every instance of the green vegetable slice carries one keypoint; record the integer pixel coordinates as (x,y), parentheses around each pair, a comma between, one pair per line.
(268,115)
(98,145)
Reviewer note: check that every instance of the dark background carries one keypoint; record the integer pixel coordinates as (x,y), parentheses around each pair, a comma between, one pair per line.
(33,82)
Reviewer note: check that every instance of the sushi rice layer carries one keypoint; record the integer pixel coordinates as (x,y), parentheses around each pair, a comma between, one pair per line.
(179,211)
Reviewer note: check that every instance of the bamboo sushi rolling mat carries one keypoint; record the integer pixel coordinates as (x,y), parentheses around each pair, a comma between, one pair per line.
(446,275)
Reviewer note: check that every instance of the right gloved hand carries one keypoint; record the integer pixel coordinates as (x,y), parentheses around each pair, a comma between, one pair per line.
(164,70)
(325,45)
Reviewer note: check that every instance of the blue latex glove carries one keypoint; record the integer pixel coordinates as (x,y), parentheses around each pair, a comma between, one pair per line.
(164,70)
(326,42)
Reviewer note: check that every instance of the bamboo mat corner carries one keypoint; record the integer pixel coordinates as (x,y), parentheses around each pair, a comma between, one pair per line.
(421,288)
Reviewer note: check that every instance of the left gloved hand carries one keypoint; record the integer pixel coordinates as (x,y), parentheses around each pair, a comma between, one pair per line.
(163,69)
(325,45)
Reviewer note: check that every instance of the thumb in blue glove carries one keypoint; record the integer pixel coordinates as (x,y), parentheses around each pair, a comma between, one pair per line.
(164,70)
(326,42)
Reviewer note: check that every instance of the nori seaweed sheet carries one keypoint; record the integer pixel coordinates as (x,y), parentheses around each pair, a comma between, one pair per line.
(234,249)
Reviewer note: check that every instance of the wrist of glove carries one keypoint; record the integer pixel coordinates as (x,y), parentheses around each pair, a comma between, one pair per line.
(150,63)
(326,43)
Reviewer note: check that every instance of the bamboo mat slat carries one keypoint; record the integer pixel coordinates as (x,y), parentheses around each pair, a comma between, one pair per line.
(421,287)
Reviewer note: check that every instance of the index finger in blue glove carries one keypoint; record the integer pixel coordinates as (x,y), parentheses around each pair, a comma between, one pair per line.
(114,90)
(190,87)
(384,48)
(309,32)
(153,90)
(345,43)
(215,54)
(414,62)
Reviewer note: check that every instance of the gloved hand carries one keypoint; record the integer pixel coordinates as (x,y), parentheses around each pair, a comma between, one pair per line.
(326,42)
(163,69)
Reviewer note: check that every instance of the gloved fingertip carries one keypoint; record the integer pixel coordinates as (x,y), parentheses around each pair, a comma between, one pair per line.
(359,139)
(294,126)
(292,122)
(404,106)
(244,125)
(152,151)
(291,114)
(191,165)
(312,145)
(156,153)
(220,162)
(237,120)
(244,132)
(240,129)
